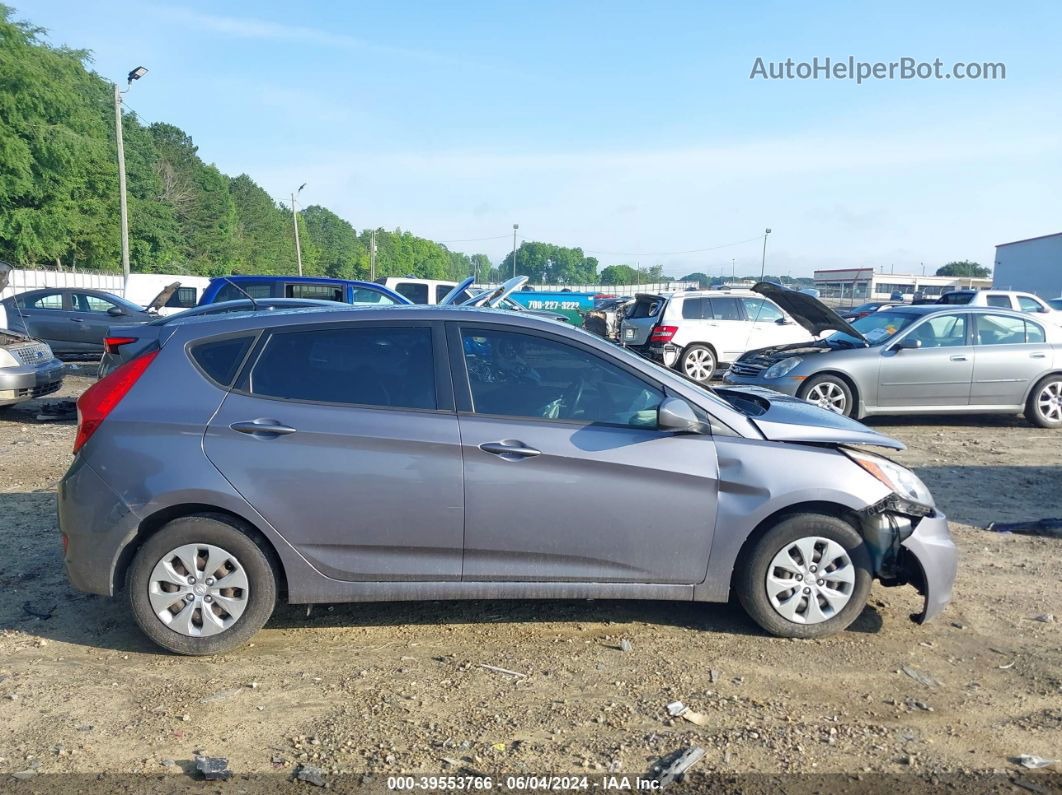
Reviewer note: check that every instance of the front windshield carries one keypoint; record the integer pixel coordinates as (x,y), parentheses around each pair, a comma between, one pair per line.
(876,328)
(1055,303)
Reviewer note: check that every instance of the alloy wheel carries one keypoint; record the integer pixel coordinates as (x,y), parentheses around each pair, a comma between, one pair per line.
(198,590)
(810,580)
(1049,401)
(828,395)
(699,364)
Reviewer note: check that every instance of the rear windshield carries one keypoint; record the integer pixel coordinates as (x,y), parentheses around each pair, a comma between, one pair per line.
(877,328)
(646,307)
(956,298)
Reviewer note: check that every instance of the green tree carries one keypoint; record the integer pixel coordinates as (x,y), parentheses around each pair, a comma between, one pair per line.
(964,268)
(339,252)
(550,264)
(702,279)
(620,274)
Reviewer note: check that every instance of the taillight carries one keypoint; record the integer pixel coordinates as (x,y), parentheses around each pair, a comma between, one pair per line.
(112,344)
(662,333)
(99,400)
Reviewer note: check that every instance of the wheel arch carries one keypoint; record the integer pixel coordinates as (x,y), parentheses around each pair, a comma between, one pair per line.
(153,523)
(857,397)
(1034,383)
(835,509)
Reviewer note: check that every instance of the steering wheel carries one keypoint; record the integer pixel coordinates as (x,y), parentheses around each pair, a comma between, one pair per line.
(571,397)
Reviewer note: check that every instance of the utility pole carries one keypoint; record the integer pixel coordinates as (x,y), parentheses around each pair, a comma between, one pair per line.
(372,256)
(515,227)
(763,262)
(295,222)
(136,74)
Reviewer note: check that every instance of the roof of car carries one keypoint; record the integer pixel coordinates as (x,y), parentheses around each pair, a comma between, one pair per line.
(929,309)
(262,277)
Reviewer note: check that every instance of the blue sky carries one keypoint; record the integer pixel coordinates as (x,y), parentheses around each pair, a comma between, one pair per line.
(623,127)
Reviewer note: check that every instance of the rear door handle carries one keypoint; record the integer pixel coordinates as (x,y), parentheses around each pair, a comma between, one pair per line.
(958,358)
(262,428)
(1037,355)
(509,449)
(76,320)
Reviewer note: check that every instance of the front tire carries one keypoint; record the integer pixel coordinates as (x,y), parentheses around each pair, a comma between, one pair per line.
(1044,406)
(807,577)
(201,586)
(831,393)
(698,363)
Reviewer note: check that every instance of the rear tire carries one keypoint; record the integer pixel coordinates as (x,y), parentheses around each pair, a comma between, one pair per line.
(831,393)
(197,564)
(807,577)
(1044,406)
(698,363)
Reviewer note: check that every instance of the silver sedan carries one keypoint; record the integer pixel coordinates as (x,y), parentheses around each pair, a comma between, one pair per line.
(914,360)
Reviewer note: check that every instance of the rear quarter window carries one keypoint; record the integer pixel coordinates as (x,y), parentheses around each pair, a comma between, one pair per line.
(220,359)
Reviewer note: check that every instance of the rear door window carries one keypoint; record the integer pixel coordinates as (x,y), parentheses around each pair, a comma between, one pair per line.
(1002,301)
(380,366)
(48,301)
(726,309)
(220,359)
(695,308)
(362,296)
(417,293)
(320,292)
(1000,330)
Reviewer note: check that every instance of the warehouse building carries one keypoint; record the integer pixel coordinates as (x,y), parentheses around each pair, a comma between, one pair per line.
(857,285)
(1033,265)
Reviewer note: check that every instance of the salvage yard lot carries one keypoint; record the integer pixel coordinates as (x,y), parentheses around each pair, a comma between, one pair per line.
(401,688)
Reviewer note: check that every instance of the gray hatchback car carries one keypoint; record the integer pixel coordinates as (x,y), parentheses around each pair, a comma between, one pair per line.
(448,453)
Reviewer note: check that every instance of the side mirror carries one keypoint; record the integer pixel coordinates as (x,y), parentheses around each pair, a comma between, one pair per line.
(675,414)
(115,312)
(907,343)
(782,321)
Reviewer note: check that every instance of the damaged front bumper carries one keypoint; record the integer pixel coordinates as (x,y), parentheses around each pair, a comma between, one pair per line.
(916,550)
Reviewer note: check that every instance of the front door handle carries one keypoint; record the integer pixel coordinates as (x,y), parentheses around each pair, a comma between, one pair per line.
(510,449)
(958,358)
(262,428)
(1038,355)
(76,320)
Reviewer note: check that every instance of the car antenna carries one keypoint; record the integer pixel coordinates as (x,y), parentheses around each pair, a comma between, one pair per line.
(254,304)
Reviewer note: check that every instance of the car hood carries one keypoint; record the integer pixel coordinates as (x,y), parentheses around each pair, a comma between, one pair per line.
(160,300)
(782,418)
(806,310)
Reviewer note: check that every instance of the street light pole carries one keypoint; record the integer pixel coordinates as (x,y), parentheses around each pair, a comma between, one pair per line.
(295,222)
(123,204)
(763,262)
(515,227)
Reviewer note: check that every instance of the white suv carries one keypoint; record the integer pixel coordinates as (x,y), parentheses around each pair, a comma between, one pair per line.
(1004,299)
(695,332)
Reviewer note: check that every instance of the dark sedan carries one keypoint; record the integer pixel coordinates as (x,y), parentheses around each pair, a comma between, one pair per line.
(71,320)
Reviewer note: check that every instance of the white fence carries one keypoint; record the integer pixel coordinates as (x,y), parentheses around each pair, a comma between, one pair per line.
(610,289)
(20,281)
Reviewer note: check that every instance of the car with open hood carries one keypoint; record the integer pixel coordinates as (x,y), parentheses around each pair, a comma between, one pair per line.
(925,359)
(74,320)
(247,456)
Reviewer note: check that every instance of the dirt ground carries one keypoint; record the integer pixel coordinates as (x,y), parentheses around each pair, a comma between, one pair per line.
(388,689)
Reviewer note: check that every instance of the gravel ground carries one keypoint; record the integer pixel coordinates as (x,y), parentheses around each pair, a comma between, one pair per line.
(386,689)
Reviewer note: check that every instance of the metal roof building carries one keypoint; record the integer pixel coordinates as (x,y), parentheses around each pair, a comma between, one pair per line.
(1033,265)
